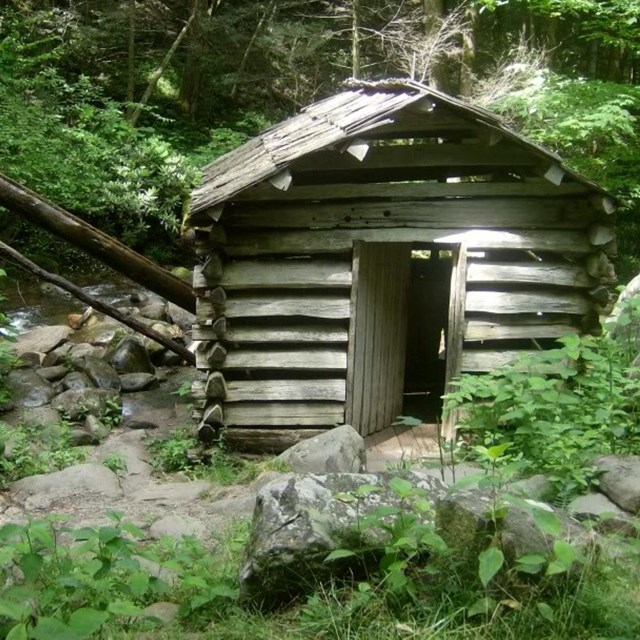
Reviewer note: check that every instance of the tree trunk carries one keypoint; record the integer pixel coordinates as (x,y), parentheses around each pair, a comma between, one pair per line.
(131,58)
(13,255)
(468,53)
(96,243)
(355,39)
(157,74)
(192,75)
(433,12)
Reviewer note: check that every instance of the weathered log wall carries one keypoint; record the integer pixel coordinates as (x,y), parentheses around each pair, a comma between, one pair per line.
(276,290)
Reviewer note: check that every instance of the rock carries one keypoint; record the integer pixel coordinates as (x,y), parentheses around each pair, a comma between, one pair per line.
(167,358)
(338,450)
(79,479)
(28,389)
(84,350)
(537,487)
(76,380)
(102,375)
(174,493)
(137,297)
(464,522)
(154,311)
(53,373)
(467,473)
(163,329)
(30,359)
(233,508)
(39,418)
(96,428)
(42,339)
(620,480)
(163,612)
(156,570)
(131,357)
(56,356)
(134,423)
(299,519)
(608,516)
(76,320)
(82,438)
(183,318)
(183,273)
(137,381)
(50,289)
(178,526)
(77,403)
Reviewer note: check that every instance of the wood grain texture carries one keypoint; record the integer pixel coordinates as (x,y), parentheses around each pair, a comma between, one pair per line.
(500,302)
(341,240)
(490,213)
(287,274)
(294,360)
(266,440)
(567,275)
(480,361)
(478,331)
(284,413)
(270,390)
(309,306)
(259,335)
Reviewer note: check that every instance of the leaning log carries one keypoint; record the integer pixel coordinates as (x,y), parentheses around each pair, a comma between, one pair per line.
(96,243)
(11,254)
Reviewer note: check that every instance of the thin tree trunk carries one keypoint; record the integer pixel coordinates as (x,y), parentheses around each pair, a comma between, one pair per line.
(468,53)
(192,74)
(157,74)
(267,13)
(433,12)
(13,255)
(131,58)
(355,39)
(95,242)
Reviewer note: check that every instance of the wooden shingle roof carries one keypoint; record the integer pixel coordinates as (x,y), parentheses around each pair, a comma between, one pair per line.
(356,110)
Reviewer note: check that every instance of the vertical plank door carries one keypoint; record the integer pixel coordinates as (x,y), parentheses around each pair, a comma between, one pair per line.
(378,335)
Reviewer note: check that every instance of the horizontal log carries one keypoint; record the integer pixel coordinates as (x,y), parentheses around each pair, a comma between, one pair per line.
(481,361)
(284,413)
(341,240)
(287,274)
(266,440)
(478,331)
(568,275)
(330,307)
(242,335)
(265,192)
(504,154)
(524,213)
(500,302)
(243,390)
(298,360)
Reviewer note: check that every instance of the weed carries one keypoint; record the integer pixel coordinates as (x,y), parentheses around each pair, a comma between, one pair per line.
(116,462)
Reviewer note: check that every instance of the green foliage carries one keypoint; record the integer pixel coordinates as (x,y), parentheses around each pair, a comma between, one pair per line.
(7,358)
(557,409)
(28,452)
(72,592)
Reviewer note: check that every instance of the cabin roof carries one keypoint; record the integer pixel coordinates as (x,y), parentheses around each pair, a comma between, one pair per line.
(361,107)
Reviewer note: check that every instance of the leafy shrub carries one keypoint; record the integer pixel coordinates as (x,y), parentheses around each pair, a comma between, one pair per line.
(559,408)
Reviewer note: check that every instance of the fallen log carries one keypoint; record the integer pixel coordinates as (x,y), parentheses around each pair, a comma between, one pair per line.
(96,243)
(11,254)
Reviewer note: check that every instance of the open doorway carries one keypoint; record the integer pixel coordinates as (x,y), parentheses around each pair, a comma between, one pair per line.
(397,363)
(427,320)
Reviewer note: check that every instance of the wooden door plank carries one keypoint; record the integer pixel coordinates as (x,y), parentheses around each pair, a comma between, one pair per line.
(351,364)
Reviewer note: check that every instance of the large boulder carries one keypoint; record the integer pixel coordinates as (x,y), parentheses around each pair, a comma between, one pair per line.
(79,479)
(137,381)
(337,450)
(464,520)
(620,480)
(130,356)
(42,339)
(102,374)
(76,380)
(299,519)
(183,318)
(175,525)
(77,403)
(28,389)
(606,516)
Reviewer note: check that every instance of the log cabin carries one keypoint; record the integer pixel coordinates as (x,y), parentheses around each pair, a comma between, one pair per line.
(357,257)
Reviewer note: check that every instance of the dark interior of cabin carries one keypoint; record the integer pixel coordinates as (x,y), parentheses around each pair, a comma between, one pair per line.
(426,332)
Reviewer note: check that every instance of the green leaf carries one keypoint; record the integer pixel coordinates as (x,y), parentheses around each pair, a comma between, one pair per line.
(124,608)
(85,622)
(19,632)
(52,629)
(564,553)
(222,591)
(547,522)
(493,453)
(13,610)
(337,554)
(555,568)
(138,584)
(481,607)
(31,565)
(401,487)
(490,561)
(545,611)
(107,534)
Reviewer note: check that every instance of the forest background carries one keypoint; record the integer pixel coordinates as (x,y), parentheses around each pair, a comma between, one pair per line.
(109,108)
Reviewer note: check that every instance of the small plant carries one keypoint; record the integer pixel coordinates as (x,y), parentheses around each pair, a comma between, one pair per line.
(116,462)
